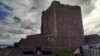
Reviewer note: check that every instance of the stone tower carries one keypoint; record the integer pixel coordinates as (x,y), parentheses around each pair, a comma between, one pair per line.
(65,22)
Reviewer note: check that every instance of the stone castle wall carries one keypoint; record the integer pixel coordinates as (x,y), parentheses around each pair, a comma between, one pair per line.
(61,30)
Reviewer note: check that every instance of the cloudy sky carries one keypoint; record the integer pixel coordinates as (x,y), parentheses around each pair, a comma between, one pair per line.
(19,18)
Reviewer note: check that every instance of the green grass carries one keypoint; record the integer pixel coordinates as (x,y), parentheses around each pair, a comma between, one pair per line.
(64,54)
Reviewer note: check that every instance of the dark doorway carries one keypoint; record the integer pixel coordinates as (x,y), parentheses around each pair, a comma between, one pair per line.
(46,52)
(38,50)
(28,53)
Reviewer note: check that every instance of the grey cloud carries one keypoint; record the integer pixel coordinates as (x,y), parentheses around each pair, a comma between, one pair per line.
(17,19)
(87,8)
(44,4)
(21,22)
(27,25)
(26,17)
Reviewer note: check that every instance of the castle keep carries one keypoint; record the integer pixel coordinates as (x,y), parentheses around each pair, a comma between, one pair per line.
(61,30)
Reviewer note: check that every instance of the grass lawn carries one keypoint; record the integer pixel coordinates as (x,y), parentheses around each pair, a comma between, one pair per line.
(64,54)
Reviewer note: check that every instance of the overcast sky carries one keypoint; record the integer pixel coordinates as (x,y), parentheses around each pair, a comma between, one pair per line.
(23,17)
